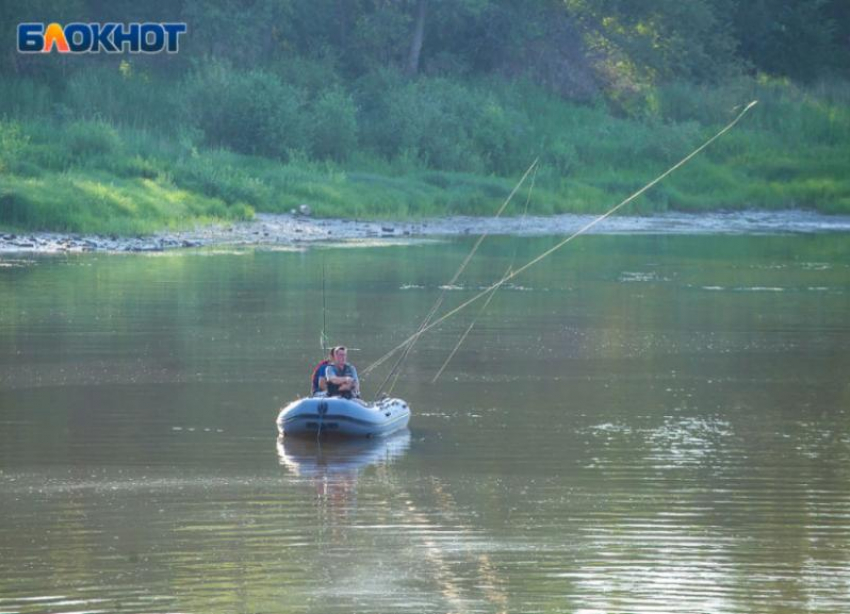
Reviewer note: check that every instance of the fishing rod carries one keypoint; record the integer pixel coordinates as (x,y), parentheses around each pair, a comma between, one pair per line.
(493,293)
(466,332)
(438,303)
(562,243)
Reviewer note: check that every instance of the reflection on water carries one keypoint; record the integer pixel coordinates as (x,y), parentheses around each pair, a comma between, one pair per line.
(415,540)
(322,458)
(644,424)
(332,467)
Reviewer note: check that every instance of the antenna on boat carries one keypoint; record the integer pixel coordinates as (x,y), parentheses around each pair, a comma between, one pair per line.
(323,336)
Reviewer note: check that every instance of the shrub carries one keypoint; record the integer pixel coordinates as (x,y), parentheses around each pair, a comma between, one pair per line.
(214,175)
(121,96)
(251,112)
(12,144)
(313,76)
(84,139)
(333,126)
(24,98)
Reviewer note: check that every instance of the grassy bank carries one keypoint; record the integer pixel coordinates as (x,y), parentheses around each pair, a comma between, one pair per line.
(124,158)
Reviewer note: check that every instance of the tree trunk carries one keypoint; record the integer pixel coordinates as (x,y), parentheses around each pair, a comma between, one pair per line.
(342,23)
(416,43)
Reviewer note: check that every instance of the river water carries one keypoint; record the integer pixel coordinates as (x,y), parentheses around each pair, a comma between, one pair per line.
(637,424)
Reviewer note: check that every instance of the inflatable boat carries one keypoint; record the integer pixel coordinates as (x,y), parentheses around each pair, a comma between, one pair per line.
(341,417)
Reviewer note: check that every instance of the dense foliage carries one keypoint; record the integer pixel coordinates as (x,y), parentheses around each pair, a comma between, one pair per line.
(405,107)
(701,40)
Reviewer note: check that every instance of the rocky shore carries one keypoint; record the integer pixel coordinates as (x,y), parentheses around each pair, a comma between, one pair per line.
(292,230)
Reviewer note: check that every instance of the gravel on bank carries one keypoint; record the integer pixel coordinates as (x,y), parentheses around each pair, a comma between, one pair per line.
(292,230)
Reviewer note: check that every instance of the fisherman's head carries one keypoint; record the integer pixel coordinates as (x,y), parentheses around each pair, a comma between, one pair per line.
(340,354)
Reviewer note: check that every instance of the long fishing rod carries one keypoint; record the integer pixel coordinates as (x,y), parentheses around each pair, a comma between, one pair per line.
(438,303)
(561,244)
(493,293)
(466,332)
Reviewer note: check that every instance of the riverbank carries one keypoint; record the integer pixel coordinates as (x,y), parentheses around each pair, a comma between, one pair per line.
(123,174)
(272,230)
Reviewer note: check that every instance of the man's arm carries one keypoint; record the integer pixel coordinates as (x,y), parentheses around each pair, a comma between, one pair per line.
(355,381)
(337,380)
(332,377)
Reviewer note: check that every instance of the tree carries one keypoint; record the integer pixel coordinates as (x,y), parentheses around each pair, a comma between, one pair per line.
(663,39)
(801,40)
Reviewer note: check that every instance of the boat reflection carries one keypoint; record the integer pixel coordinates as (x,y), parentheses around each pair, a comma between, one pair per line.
(333,467)
(310,458)
(422,527)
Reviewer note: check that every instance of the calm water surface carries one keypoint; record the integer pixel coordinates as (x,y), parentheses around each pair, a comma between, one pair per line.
(639,424)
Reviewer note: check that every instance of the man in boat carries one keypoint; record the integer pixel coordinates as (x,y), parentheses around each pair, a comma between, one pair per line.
(341,376)
(319,383)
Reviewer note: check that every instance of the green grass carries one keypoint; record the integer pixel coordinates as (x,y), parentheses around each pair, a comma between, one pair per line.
(84,177)
(77,167)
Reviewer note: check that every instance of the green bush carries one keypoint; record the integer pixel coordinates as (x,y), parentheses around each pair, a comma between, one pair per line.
(84,139)
(333,126)
(122,96)
(312,76)
(445,124)
(250,112)
(390,119)
(502,137)
(24,98)
(12,144)
(214,175)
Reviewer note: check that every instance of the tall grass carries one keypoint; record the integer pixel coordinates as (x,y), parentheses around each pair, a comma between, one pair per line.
(117,151)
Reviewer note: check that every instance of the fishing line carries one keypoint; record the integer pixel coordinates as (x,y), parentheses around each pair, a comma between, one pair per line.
(561,244)
(411,341)
(439,302)
(493,293)
(466,332)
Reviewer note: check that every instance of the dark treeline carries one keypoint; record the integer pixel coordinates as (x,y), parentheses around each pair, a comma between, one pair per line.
(576,47)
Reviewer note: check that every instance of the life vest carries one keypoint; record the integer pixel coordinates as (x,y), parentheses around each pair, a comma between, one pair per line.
(333,389)
(318,373)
